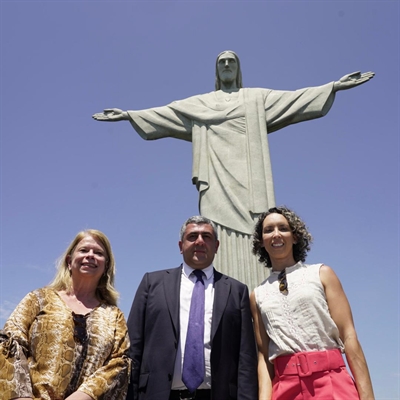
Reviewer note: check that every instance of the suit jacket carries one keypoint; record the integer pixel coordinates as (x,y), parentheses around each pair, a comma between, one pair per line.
(153,326)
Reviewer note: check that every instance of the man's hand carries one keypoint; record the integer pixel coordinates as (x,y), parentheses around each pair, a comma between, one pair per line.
(351,80)
(111,115)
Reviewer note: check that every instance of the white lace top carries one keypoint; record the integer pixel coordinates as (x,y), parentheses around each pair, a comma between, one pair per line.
(299,320)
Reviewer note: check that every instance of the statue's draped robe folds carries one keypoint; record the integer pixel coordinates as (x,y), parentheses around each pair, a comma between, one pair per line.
(231,161)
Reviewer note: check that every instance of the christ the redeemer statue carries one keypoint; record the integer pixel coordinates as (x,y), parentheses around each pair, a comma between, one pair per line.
(231,163)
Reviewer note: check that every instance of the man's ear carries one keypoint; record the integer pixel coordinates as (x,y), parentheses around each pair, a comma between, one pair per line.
(180,246)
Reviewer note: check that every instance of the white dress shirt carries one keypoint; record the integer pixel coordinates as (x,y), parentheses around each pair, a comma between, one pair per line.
(187,284)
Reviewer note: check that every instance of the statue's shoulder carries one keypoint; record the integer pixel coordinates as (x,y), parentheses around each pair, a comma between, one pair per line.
(257,90)
(260,94)
(205,96)
(196,100)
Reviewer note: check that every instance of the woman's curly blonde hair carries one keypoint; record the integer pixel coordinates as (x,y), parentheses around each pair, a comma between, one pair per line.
(298,227)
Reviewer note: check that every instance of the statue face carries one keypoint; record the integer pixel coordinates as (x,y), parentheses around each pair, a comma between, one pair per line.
(227,67)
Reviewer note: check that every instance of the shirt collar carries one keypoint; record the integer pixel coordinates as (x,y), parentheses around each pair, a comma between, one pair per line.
(209,271)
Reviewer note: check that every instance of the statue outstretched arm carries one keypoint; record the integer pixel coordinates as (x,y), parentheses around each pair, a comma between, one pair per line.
(352,80)
(111,115)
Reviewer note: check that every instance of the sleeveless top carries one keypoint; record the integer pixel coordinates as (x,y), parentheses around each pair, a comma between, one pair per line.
(299,320)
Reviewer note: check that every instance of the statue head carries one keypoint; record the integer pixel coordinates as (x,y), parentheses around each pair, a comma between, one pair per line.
(226,55)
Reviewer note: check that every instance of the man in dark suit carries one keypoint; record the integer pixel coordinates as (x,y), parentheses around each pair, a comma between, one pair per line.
(161,318)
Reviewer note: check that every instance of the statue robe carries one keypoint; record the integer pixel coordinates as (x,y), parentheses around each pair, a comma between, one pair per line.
(231,161)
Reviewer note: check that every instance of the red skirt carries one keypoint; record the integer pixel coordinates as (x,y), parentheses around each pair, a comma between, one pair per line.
(313,375)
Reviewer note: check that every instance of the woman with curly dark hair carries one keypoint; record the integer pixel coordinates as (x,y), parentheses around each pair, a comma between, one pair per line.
(302,319)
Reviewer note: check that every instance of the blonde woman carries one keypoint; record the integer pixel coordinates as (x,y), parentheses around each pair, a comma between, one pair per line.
(69,339)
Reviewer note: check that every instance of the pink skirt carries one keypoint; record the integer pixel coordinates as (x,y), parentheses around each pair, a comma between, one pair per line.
(313,375)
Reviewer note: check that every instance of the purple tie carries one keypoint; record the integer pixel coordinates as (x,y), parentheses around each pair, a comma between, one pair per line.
(193,361)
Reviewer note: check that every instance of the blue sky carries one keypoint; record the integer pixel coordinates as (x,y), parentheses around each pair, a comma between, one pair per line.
(61,171)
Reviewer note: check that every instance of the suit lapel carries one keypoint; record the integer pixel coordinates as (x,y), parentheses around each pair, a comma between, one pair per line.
(222,289)
(172,283)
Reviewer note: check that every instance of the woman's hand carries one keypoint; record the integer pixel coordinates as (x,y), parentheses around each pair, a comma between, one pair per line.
(78,396)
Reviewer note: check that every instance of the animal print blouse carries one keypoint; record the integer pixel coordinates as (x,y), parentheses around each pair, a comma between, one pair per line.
(48,352)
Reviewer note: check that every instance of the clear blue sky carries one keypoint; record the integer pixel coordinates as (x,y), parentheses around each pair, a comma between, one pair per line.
(61,171)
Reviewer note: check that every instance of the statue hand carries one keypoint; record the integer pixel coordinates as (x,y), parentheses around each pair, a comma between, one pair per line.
(111,115)
(351,80)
